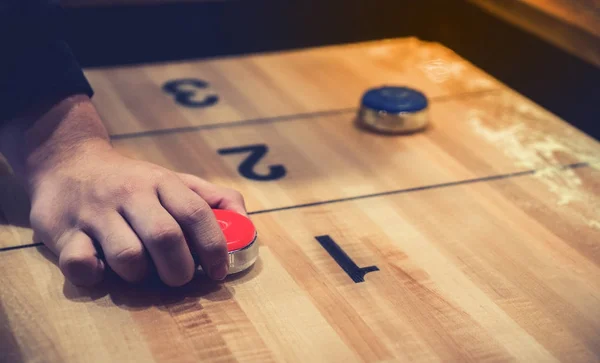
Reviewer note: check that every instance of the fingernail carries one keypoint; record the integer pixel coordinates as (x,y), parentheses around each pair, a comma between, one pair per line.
(219,271)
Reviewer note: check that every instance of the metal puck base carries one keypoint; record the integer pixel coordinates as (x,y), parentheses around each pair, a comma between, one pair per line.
(242,259)
(393,123)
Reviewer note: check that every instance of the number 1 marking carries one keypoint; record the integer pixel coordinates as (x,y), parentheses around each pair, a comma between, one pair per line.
(357,274)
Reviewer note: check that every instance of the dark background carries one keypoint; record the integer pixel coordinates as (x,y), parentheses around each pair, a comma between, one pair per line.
(560,82)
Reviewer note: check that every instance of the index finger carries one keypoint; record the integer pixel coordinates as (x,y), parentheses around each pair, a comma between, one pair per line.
(216,196)
(200,225)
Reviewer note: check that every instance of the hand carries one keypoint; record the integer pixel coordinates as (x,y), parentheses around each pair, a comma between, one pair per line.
(137,212)
(141,215)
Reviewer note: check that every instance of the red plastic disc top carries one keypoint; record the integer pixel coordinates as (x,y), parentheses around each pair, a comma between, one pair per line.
(239,230)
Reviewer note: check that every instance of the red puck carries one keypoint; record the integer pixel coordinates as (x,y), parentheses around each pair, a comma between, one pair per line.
(238,229)
(240,234)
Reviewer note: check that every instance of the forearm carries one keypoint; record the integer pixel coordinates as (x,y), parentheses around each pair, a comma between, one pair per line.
(44,95)
(37,139)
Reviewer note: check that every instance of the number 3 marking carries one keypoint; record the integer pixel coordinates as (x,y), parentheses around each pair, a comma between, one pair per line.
(185,97)
(246,168)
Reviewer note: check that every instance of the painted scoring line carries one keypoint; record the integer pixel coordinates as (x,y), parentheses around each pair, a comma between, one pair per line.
(417,189)
(274,119)
(4,249)
(375,195)
(218,125)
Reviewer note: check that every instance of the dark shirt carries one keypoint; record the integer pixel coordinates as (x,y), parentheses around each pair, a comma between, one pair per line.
(36,63)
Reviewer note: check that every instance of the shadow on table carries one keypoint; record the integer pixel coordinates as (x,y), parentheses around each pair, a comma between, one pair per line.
(14,201)
(152,292)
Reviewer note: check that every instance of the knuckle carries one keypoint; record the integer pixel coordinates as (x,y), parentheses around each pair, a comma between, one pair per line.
(195,214)
(85,217)
(160,175)
(39,220)
(129,256)
(115,190)
(43,216)
(163,237)
(125,188)
(121,190)
(214,246)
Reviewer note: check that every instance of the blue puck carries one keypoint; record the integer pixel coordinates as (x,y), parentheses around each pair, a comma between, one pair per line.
(394,110)
(394,100)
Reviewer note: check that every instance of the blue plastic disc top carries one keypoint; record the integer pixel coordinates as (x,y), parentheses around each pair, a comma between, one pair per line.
(394,99)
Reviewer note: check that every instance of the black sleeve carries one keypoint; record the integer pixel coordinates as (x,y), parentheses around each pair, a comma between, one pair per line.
(36,63)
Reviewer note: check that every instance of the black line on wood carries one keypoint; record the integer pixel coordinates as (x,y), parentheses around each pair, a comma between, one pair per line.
(274,119)
(415,189)
(11,248)
(375,195)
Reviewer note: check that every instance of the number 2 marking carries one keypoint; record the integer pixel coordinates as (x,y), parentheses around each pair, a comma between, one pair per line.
(246,168)
(357,274)
(185,97)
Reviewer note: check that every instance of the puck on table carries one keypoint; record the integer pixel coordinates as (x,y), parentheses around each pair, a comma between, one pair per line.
(394,109)
(240,234)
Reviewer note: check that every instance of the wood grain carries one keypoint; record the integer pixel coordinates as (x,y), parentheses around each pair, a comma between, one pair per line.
(484,228)
(278,84)
(573,25)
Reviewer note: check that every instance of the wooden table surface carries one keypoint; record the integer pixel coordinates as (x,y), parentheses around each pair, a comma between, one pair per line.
(478,239)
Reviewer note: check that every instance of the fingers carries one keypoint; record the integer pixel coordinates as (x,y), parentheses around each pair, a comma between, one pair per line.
(198,221)
(78,260)
(216,196)
(163,239)
(122,248)
(169,229)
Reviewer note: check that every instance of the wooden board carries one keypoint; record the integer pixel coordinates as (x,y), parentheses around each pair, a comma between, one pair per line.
(478,239)
(573,25)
